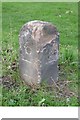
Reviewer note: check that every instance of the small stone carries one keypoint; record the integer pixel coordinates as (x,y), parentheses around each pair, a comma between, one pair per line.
(39,45)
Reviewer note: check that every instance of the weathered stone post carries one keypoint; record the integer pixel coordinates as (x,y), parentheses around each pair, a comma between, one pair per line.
(39,45)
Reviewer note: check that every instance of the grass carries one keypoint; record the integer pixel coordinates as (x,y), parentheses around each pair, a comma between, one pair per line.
(64,16)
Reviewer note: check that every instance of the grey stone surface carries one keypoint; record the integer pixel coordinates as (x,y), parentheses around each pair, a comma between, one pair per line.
(39,45)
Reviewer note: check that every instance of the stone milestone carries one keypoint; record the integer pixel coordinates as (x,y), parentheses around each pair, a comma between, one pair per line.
(39,46)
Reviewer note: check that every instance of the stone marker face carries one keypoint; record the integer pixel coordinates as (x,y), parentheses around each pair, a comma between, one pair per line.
(39,45)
